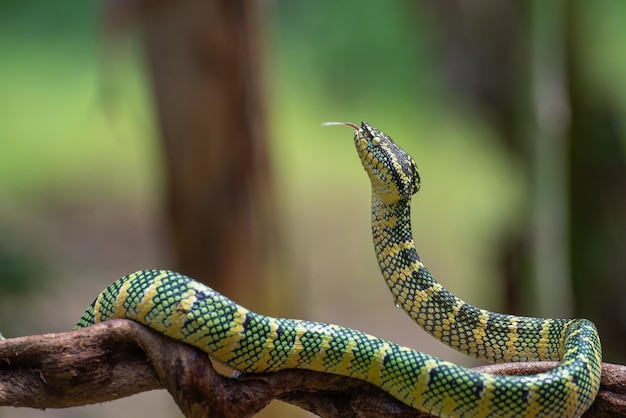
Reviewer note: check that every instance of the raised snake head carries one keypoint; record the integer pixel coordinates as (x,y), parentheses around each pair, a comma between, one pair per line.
(391,170)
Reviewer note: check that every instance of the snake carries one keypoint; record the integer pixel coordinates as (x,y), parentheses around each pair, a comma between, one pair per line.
(186,310)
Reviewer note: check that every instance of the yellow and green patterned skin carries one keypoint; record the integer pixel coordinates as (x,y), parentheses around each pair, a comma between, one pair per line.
(186,310)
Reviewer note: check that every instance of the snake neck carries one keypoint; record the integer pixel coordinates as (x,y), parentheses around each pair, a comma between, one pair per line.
(395,250)
(476,332)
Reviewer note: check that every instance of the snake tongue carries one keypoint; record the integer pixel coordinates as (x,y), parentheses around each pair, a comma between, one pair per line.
(341,123)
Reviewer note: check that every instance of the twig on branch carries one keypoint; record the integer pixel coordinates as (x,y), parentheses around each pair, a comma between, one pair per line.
(119,358)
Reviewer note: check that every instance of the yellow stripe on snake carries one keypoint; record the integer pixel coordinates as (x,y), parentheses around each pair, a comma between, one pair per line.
(186,310)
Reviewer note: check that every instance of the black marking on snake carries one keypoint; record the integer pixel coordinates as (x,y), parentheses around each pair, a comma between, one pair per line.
(201,296)
(489,326)
(279,331)
(246,322)
(420,283)
(407,255)
(432,374)
(397,180)
(372,132)
(479,388)
(386,359)
(469,315)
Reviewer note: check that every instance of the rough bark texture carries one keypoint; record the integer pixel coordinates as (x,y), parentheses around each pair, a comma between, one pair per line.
(119,358)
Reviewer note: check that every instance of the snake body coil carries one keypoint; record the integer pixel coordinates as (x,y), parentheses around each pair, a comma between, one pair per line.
(186,310)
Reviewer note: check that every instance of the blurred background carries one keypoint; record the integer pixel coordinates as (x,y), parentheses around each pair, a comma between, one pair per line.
(186,135)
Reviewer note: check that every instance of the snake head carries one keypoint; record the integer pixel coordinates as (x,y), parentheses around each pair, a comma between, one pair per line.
(391,170)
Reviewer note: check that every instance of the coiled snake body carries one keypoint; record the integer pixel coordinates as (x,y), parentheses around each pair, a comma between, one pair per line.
(191,312)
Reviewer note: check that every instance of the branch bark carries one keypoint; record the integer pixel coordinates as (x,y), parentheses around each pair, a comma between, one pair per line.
(119,358)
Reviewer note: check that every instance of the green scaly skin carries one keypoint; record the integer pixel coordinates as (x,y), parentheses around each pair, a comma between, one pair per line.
(186,310)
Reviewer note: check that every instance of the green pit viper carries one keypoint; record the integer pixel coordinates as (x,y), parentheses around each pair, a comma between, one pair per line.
(186,310)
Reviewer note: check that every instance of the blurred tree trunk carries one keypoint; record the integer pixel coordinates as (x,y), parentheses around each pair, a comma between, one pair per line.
(205,65)
(481,49)
(597,171)
(488,51)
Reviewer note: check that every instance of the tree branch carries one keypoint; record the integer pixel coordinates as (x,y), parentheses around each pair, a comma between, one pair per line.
(119,358)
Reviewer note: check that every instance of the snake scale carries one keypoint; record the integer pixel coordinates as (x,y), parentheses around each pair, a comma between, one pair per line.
(186,310)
